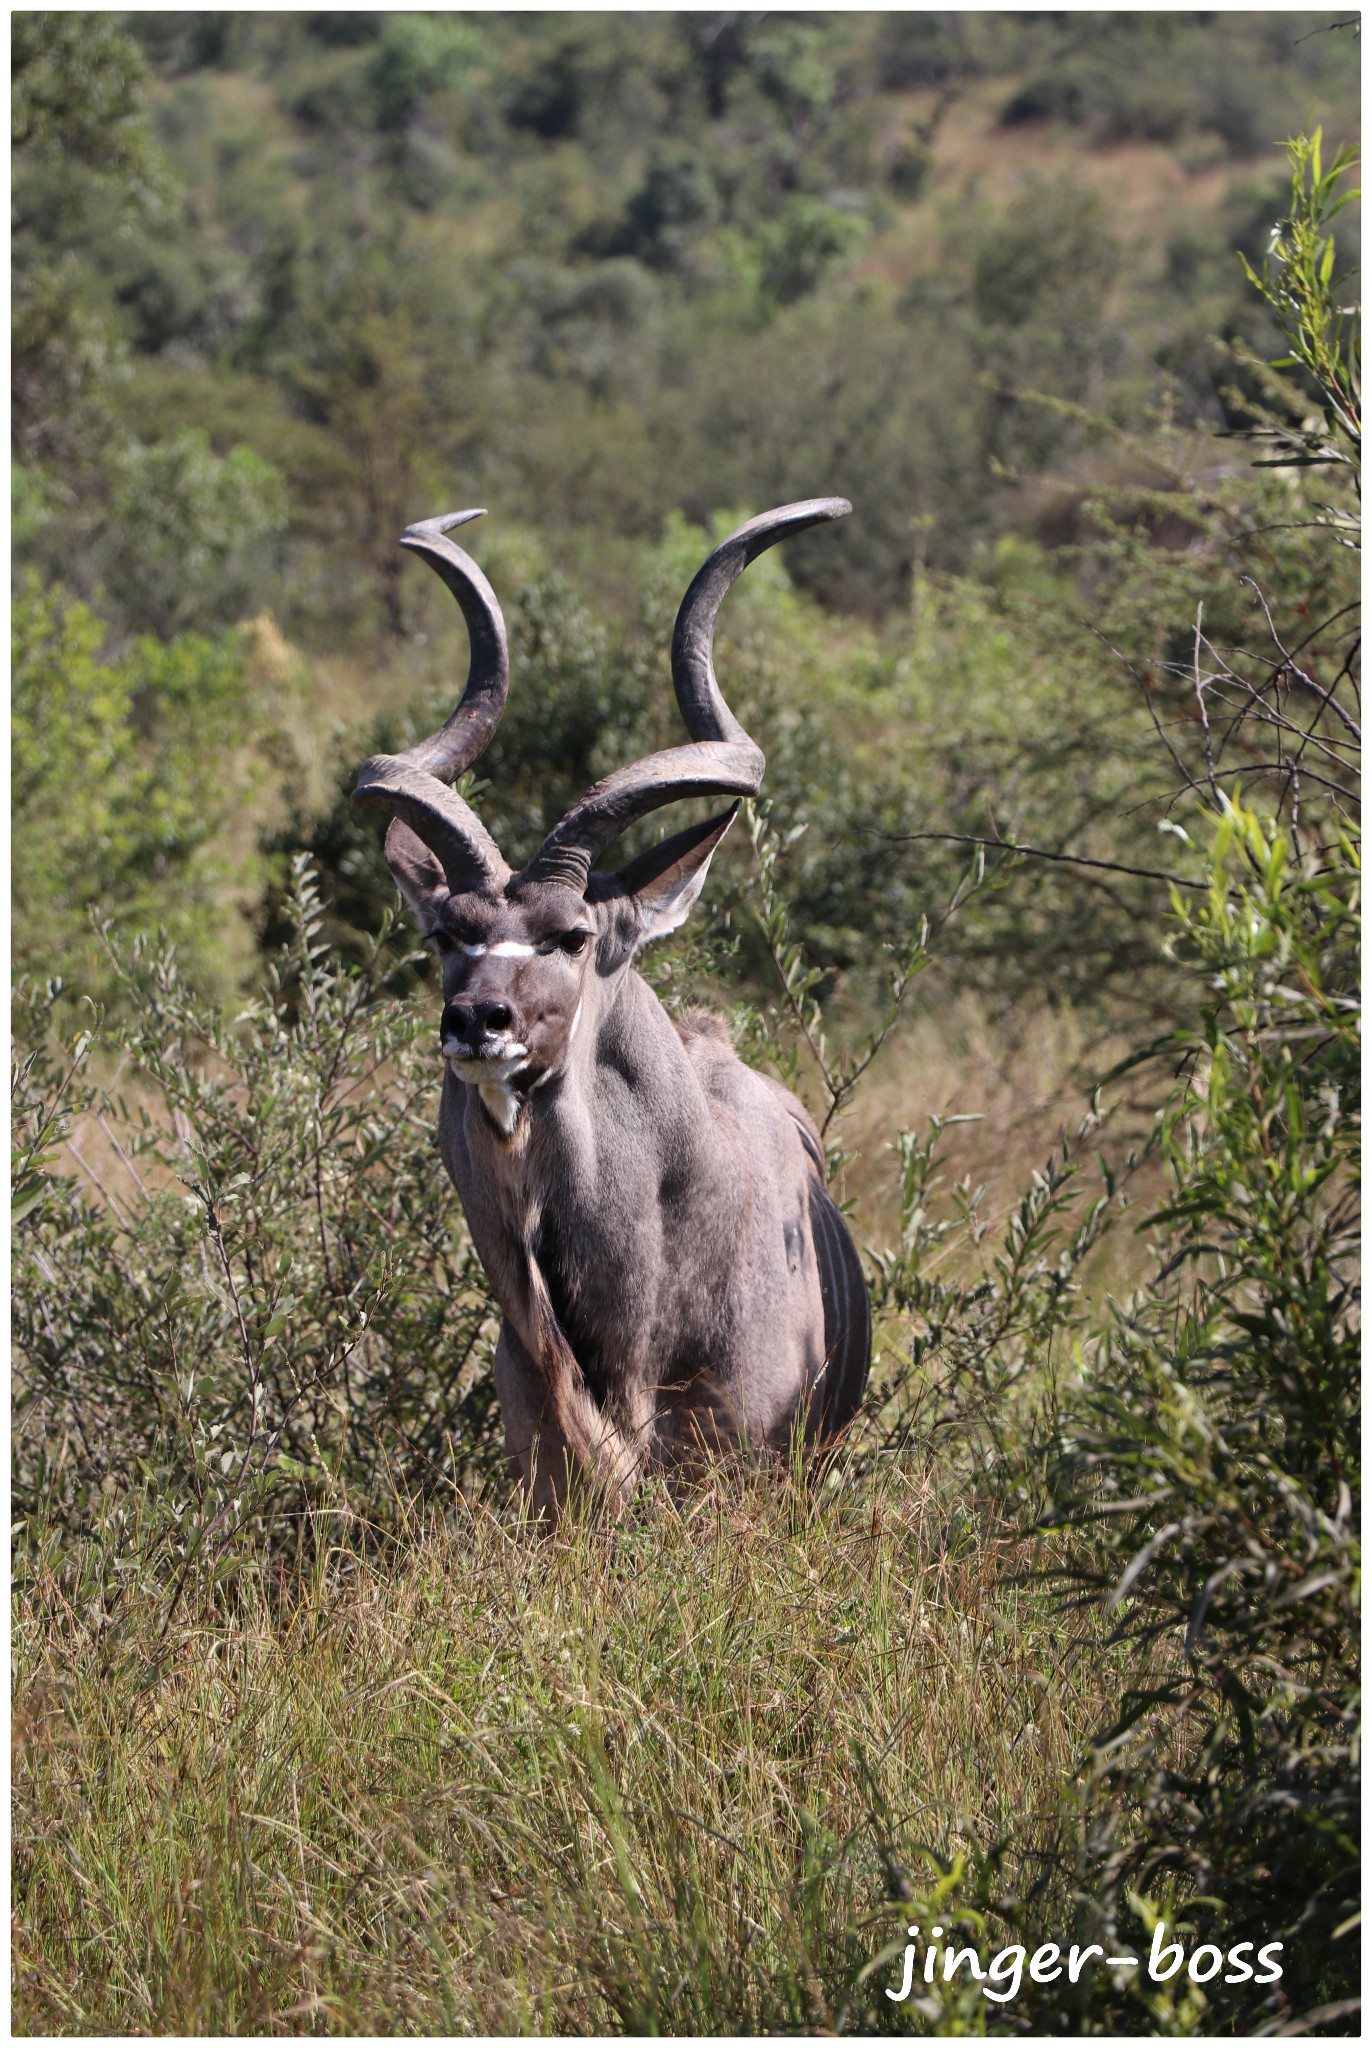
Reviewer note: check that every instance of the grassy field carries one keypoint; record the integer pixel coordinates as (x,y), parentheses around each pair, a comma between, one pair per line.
(688,1774)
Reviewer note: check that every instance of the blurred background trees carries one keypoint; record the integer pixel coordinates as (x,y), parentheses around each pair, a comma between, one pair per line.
(284,282)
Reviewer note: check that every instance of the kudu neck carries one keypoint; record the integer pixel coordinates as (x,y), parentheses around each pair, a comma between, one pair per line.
(626,1032)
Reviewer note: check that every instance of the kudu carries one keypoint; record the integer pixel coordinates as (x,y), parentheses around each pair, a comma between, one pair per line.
(651,1212)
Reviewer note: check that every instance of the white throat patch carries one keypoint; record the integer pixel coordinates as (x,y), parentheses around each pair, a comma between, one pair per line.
(502,1102)
(491,1078)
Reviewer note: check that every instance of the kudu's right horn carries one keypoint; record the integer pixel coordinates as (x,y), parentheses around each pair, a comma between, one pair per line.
(413,786)
(722,761)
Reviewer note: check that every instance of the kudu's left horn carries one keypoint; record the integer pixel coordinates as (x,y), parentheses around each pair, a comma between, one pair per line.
(722,761)
(413,786)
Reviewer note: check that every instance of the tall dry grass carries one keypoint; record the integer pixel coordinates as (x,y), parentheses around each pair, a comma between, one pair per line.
(680,1775)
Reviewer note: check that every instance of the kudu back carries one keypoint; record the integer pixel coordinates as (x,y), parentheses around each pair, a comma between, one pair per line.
(652,1213)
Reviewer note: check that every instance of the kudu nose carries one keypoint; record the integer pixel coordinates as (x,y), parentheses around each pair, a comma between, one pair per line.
(474,1021)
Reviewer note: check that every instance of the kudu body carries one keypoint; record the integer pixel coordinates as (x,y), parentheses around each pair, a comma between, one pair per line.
(651,1212)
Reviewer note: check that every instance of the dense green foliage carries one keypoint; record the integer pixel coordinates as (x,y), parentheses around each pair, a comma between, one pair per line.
(330,1288)
(283,283)
(311,1731)
(1215,1436)
(593,271)
(122,776)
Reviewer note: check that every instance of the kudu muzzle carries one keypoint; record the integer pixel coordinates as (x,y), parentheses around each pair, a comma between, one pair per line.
(476,1029)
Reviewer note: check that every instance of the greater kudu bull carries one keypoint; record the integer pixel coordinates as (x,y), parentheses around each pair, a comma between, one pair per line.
(651,1212)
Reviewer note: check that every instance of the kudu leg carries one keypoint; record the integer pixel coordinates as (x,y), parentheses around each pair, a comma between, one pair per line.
(550,1442)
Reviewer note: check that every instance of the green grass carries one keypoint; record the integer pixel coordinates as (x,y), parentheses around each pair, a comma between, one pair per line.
(668,1776)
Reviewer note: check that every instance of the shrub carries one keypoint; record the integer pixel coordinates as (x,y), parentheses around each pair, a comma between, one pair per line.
(267,1300)
(919,50)
(1213,1446)
(810,237)
(185,537)
(418,54)
(123,772)
(667,212)
(1207,1478)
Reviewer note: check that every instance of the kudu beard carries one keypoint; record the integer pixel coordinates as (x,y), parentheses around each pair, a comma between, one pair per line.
(651,1213)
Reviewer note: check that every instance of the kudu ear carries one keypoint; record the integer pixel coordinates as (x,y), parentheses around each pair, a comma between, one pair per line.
(418,872)
(664,883)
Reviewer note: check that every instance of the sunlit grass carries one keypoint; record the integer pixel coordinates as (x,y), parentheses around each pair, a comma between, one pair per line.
(665,1776)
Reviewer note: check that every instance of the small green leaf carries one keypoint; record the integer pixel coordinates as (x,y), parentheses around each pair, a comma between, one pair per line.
(27,1196)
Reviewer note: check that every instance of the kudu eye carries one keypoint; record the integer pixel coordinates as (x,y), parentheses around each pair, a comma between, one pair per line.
(573,943)
(443,942)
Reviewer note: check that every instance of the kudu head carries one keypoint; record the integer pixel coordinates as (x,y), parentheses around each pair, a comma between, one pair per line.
(530,956)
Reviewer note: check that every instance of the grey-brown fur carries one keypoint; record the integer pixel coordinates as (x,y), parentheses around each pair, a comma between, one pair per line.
(651,1213)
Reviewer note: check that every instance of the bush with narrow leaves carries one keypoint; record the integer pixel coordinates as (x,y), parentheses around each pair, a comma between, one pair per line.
(249,1288)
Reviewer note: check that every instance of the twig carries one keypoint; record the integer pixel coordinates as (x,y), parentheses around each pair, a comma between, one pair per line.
(1349,21)
(98,1184)
(128,1164)
(1079,860)
(1125,663)
(1307,682)
(1200,642)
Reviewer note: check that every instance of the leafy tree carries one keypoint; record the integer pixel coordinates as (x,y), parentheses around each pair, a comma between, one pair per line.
(788,64)
(66,364)
(418,55)
(123,773)
(807,241)
(77,88)
(675,200)
(79,134)
(185,534)
(1041,277)
(370,352)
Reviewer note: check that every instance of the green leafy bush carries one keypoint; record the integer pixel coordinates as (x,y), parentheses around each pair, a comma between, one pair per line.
(1213,1443)
(266,1298)
(81,146)
(185,537)
(418,54)
(809,239)
(123,773)
(1192,1448)
(1207,1474)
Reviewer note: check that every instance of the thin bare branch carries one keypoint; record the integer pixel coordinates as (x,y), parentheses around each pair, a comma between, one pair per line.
(1298,674)
(1079,860)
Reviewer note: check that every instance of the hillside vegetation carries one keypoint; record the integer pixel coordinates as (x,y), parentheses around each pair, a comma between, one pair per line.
(1049,909)
(284,283)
